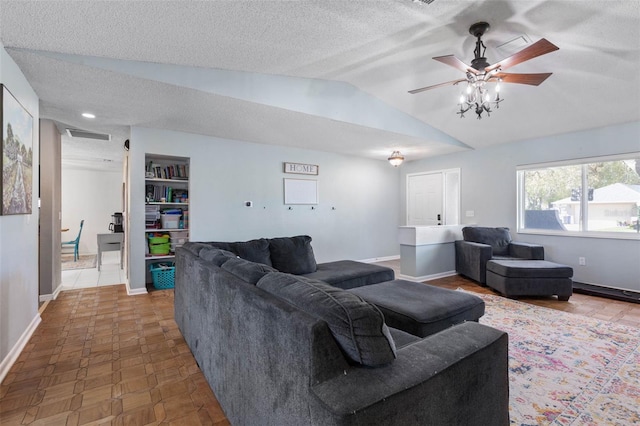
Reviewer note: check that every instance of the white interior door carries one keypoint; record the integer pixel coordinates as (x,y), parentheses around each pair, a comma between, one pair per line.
(425,200)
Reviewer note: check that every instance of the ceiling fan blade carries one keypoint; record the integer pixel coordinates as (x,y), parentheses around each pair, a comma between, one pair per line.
(452,61)
(422,89)
(531,79)
(541,47)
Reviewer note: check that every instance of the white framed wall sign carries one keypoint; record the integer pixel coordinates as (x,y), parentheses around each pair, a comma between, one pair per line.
(300,191)
(301,169)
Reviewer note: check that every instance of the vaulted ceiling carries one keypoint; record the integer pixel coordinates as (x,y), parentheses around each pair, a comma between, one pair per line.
(322,75)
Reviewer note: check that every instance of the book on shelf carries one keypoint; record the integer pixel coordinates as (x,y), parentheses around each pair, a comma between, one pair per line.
(155,193)
(172,171)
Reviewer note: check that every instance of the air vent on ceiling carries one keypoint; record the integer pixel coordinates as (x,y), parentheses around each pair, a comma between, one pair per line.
(424,1)
(79,133)
(514,45)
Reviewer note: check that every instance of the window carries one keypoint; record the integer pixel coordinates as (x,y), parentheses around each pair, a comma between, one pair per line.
(595,197)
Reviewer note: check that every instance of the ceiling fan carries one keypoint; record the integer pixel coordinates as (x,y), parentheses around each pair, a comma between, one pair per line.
(480,72)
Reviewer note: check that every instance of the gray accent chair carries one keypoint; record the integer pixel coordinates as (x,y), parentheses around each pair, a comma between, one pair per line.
(481,244)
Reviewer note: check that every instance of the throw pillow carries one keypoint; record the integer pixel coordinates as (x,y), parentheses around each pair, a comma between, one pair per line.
(216,256)
(497,238)
(357,326)
(246,270)
(193,248)
(253,250)
(293,255)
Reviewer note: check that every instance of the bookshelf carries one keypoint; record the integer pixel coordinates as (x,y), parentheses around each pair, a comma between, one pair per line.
(166,204)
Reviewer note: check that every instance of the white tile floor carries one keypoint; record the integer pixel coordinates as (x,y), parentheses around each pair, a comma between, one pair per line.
(109,274)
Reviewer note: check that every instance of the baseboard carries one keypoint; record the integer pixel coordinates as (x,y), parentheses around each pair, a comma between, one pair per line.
(135,291)
(57,291)
(608,292)
(14,353)
(427,277)
(45,297)
(380,259)
(53,296)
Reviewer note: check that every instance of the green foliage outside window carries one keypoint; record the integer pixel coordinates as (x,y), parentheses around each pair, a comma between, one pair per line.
(591,196)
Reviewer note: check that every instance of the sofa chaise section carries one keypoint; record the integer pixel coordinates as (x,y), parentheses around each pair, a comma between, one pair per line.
(421,309)
(346,274)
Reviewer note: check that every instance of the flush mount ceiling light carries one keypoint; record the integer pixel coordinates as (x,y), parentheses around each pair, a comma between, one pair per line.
(396,158)
(88,115)
(480,74)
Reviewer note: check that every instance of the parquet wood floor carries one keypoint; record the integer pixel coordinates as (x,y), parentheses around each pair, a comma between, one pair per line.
(100,357)
(620,312)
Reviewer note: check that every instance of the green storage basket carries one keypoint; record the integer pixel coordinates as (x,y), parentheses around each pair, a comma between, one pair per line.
(158,240)
(163,275)
(160,249)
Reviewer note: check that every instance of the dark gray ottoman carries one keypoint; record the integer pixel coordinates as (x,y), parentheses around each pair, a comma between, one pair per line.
(530,278)
(421,309)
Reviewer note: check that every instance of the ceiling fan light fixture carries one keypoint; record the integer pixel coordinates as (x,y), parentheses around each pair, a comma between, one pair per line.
(478,97)
(480,75)
(396,158)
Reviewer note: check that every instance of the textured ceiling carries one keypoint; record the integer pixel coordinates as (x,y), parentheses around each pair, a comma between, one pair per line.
(381,49)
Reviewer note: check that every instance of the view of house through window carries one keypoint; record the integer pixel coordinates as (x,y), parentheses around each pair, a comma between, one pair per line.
(597,195)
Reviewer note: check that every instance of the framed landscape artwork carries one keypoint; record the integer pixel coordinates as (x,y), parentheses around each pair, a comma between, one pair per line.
(17,155)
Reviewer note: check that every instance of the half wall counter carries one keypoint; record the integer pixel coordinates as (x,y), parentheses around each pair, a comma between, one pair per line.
(428,252)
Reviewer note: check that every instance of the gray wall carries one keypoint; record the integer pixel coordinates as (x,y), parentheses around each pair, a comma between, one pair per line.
(488,187)
(50,208)
(19,240)
(226,173)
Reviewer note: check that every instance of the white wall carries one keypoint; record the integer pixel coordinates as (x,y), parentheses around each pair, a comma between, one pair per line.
(19,241)
(92,195)
(226,173)
(488,187)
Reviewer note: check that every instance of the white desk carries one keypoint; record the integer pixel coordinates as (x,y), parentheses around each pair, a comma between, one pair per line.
(110,242)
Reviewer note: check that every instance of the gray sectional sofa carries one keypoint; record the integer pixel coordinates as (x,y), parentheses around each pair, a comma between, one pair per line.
(279,346)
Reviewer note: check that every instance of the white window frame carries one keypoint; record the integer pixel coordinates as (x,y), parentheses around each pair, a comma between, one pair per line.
(520,169)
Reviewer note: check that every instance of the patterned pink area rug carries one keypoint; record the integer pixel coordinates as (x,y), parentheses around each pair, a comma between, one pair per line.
(567,369)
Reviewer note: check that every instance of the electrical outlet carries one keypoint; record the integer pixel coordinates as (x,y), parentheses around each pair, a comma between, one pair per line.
(582,261)
(470,213)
